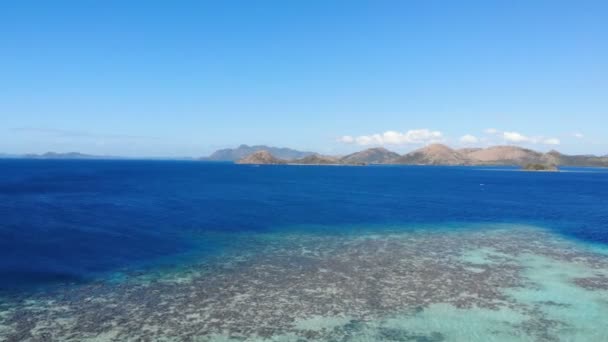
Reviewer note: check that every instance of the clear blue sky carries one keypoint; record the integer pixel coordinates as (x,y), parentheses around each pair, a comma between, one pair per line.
(182,78)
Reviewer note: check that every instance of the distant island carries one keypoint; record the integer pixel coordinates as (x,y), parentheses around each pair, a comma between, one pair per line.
(56,155)
(435,154)
(68,155)
(242,151)
(540,167)
(265,157)
(82,156)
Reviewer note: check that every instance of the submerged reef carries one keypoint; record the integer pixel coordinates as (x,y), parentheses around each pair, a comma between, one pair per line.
(506,283)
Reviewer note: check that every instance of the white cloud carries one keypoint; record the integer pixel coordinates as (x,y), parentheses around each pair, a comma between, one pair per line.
(551,141)
(415,136)
(515,137)
(578,135)
(347,139)
(392,137)
(469,139)
(420,136)
(426,136)
(368,140)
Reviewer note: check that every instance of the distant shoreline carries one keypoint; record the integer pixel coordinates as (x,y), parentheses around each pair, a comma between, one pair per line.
(434,154)
(497,167)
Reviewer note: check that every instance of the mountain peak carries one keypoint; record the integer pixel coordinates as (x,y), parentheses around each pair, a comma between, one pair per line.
(261,157)
(434,154)
(375,155)
(436,147)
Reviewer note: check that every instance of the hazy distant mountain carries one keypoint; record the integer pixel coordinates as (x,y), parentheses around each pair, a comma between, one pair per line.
(260,157)
(234,154)
(378,155)
(78,155)
(435,154)
(68,155)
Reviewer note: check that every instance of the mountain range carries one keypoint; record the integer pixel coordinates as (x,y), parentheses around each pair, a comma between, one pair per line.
(436,154)
(235,154)
(377,155)
(265,157)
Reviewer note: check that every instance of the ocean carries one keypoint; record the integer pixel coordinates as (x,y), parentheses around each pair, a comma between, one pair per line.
(107,250)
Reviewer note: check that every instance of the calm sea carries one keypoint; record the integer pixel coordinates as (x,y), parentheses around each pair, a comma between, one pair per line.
(73,221)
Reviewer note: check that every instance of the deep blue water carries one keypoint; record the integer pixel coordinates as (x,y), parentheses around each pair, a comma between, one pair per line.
(71,220)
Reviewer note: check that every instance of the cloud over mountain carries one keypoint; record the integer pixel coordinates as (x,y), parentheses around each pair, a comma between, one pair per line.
(469,139)
(426,136)
(515,137)
(414,136)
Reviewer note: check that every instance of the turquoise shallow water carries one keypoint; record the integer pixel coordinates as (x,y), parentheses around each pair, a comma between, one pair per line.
(480,282)
(131,251)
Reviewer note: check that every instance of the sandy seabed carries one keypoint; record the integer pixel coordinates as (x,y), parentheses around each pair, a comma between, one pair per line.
(490,283)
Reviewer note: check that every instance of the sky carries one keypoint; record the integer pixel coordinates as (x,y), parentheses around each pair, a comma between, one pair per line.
(184,78)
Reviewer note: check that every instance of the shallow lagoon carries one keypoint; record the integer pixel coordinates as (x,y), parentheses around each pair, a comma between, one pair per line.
(480,282)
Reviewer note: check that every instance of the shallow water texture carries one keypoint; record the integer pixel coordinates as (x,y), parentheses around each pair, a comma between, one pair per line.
(502,283)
